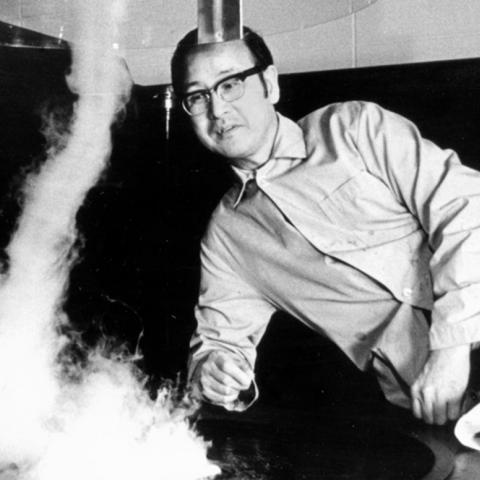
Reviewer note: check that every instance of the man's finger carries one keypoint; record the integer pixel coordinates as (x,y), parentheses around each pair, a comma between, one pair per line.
(417,408)
(425,409)
(220,388)
(218,398)
(454,409)
(219,383)
(221,377)
(228,369)
(242,377)
(439,413)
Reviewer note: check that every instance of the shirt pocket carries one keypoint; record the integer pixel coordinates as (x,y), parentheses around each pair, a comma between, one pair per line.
(368,207)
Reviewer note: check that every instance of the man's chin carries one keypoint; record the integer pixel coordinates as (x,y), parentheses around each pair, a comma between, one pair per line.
(232,155)
(243,163)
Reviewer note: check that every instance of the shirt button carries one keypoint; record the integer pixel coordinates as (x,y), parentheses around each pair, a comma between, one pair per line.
(250,188)
(407,292)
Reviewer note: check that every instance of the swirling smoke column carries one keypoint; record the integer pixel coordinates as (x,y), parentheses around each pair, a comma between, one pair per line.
(102,425)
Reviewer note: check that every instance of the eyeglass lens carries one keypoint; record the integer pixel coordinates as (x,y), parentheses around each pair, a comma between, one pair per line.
(229,90)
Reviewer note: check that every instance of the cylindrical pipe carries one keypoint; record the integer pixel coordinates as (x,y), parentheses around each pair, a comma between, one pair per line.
(219,20)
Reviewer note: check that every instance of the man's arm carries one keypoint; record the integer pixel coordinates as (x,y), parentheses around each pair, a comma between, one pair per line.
(231,319)
(445,197)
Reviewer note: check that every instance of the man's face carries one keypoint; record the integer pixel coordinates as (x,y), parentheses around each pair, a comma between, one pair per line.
(243,131)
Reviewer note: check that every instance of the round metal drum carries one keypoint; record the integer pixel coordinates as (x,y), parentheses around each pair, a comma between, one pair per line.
(344,451)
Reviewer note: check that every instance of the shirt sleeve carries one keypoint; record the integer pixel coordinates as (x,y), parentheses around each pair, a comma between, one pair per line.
(231,315)
(444,195)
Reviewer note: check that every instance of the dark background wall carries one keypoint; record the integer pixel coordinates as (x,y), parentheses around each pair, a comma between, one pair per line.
(141,225)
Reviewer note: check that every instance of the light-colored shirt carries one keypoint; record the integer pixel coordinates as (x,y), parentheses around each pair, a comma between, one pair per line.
(356,217)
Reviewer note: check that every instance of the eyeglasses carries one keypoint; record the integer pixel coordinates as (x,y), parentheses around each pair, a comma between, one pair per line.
(228,89)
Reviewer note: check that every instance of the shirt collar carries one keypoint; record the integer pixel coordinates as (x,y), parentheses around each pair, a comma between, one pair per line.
(289,144)
(289,141)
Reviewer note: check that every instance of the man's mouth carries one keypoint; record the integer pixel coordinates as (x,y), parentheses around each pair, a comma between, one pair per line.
(225,131)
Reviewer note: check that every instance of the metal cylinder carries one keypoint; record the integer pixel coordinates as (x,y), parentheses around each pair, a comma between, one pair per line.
(219,20)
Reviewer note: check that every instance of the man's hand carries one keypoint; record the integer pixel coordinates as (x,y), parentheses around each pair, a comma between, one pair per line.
(438,392)
(222,376)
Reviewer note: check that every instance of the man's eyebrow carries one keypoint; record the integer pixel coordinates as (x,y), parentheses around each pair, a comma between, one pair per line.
(191,84)
(221,73)
(228,70)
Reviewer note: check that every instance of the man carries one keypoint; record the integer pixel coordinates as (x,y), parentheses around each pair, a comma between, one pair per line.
(349,221)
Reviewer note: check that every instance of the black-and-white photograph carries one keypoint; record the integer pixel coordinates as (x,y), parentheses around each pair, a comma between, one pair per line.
(240,240)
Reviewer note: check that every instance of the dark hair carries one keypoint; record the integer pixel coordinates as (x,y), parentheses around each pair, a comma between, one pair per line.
(255,43)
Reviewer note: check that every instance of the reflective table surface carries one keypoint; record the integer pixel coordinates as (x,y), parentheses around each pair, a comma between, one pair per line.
(293,444)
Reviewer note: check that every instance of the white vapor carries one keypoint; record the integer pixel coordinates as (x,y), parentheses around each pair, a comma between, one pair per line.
(102,425)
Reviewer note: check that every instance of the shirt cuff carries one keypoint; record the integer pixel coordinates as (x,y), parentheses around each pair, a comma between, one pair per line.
(445,335)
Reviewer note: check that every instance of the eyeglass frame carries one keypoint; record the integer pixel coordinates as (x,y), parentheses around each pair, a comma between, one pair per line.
(242,75)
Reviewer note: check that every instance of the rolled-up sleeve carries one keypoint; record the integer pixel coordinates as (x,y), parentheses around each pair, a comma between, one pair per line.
(444,196)
(231,315)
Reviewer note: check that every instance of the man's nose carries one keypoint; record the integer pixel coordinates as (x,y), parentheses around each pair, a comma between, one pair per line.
(218,106)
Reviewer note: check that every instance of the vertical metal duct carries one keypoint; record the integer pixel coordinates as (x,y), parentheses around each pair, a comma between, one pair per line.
(219,20)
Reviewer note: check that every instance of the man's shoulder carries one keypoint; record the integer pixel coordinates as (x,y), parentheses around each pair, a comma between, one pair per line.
(347,112)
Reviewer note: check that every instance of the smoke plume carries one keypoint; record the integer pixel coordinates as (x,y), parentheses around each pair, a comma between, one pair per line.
(98,423)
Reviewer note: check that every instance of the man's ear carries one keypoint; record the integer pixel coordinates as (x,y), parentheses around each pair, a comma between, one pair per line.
(270,75)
